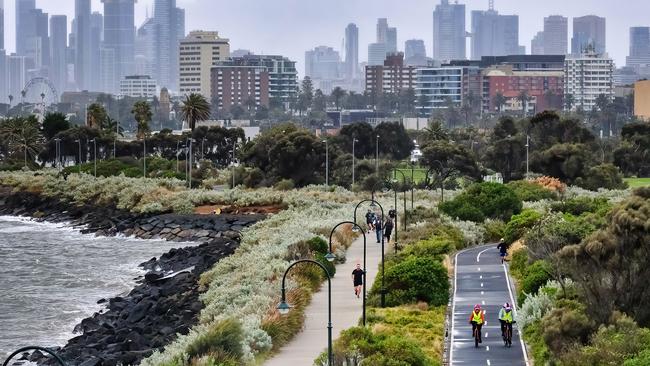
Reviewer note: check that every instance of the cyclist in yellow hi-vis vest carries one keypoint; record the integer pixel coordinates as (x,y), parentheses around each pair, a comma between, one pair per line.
(476,319)
(506,318)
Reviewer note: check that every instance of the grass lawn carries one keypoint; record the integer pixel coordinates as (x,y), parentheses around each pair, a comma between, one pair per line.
(419,174)
(638,182)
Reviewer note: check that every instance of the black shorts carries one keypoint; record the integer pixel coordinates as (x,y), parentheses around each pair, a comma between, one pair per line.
(358,283)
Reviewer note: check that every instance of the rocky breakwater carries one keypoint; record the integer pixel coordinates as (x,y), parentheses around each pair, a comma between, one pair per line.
(164,303)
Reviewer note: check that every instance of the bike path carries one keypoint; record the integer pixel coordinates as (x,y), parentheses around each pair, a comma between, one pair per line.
(480,278)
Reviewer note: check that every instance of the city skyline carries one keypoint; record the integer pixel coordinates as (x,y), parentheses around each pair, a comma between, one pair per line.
(324,23)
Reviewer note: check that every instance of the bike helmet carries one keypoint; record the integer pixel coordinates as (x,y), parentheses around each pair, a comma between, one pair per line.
(477,307)
(507,307)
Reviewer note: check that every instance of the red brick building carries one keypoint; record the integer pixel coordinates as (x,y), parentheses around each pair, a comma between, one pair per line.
(545,88)
(391,77)
(238,83)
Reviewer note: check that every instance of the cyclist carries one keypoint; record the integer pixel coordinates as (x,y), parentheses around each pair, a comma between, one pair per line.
(503,249)
(476,319)
(506,319)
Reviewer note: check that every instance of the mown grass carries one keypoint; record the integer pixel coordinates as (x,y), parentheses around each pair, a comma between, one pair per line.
(637,182)
(420,323)
(419,174)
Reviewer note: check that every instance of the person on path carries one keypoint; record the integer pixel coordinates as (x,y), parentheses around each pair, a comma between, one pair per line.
(388,229)
(392,213)
(506,318)
(370,219)
(503,249)
(476,319)
(378,228)
(357,279)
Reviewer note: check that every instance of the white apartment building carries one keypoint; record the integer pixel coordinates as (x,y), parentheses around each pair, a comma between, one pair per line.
(587,76)
(198,53)
(438,85)
(138,86)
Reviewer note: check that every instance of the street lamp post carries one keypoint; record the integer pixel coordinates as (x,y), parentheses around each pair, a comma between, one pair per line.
(144,156)
(527,150)
(377,156)
(177,161)
(117,132)
(327,163)
(57,153)
(395,171)
(383,289)
(412,183)
(330,257)
(284,307)
(190,163)
(203,148)
(94,141)
(79,141)
(354,140)
(232,163)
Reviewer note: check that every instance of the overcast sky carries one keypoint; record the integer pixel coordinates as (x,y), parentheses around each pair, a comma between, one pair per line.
(290,27)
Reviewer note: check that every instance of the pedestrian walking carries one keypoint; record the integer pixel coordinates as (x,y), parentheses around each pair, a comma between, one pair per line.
(392,213)
(388,229)
(370,219)
(378,228)
(357,279)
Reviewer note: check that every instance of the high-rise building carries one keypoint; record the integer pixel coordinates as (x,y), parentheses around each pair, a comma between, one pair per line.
(169,28)
(376,54)
(382,30)
(58,46)
(23,7)
(96,34)
(237,82)
(537,44)
(449,31)
(588,31)
(556,35)
(119,34)
(586,77)
(138,86)
(4,83)
(283,76)
(494,34)
(351,51)
(16,72)
(322,63)
(108,70)
(438,86)
(199,52)
(83,66)
(390,77)
(2,24)
(391,40)
(415,53)
(145,48)
(639,41)
(37,44)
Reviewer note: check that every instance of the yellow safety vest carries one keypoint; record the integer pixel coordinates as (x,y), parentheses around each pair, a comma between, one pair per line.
(507,316)
(477,317)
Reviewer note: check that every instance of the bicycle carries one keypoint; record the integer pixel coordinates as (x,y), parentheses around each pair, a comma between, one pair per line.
(477,335)
(507,334)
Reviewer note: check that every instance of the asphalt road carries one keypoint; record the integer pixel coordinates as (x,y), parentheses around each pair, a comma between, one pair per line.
(482,279)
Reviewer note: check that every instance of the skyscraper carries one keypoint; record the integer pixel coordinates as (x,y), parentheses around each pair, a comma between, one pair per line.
(386,41)
(58,45)
(169,28)
(382,29)
(494,34)
(16,72)
(537,44)
(2,24)
(376,54)
(96,34)
(83,69)
(351,51)
(119,34)
(639,41)
(322,63)
(391,40)
(37,45)
(22,10)
(588,30)
(415,53)
(145,48)
(556,35)
(199,52)
(449,31)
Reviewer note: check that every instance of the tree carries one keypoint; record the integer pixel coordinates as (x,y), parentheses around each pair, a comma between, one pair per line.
(142,114)
(446,159)
(499,101)
(633,155)
(215,103)
(611,266)
(569,102)
(337,94)
(22,137)
(394,140)
(363,132)
(195,109)
(96,116)
(523,99)
(307,90)
(54,123)
(407,101)
(564,161)
(435,132)
(422,104)
(320,101)
(505,147)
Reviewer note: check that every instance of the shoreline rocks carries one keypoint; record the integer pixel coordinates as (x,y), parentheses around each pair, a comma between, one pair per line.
(164,303)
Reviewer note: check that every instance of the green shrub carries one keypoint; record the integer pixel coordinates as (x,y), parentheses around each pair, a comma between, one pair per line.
(254,178)
(536,275)
(580,205)
(494,229)
(519,263)
(133,172)
(318,245)
(223,342)
(415,279)
(566,324)
(606,176)
(483,200)
(397,351)
(533,335)
(642,359)
(518,224)
(431,248)
(529,191)
(285,185)
(320,258)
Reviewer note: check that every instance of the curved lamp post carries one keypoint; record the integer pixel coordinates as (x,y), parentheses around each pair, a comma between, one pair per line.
(283,307)
(395,171)
(330,257)
(374,203)
(36,348)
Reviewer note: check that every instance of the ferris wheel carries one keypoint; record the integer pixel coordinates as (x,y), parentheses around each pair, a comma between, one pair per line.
(40,90)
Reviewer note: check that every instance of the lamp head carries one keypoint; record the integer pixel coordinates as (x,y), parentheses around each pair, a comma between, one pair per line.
(283,308)
(330,257)
(355,229)
(373,204)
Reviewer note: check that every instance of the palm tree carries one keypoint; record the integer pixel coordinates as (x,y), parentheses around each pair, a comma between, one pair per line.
(435,132)
(23,134)
(524,98)
(142,113)
(337,94)
(11,99)
(96,115)
(22,96)
(195,108)
(499,101)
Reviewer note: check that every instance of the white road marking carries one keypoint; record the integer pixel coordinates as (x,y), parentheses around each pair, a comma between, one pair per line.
(514,310)
(481,284)
(486,334)
(479,269)
(453,311)
(482,293)
(480,277)
(488,362)
(478,256)
(482,302)
(487,348)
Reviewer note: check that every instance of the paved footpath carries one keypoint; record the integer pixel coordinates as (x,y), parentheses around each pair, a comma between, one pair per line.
(346,308)
(482,279)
